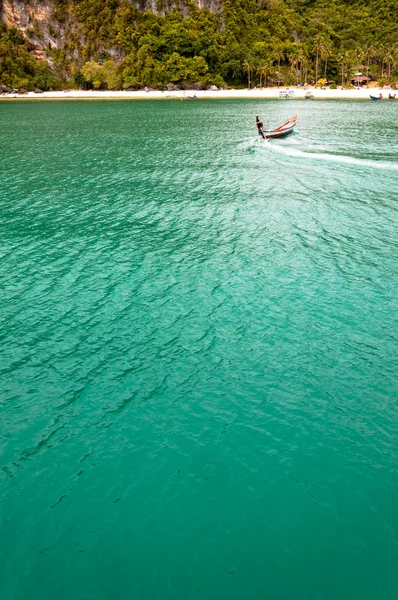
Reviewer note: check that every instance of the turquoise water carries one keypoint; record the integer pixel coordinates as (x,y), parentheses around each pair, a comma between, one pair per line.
(198,351)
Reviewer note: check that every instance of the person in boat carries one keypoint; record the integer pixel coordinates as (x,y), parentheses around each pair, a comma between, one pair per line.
(260,127)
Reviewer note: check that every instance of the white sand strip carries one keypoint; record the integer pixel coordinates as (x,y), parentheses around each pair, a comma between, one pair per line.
(266,93)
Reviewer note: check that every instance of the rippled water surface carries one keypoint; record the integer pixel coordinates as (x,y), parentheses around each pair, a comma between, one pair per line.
(198,351)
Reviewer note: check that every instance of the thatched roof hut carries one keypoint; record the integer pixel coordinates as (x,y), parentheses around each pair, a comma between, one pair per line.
(360,80)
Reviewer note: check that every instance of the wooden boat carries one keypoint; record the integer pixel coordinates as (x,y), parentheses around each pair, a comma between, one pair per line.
(380,97)
(391,96)
(282,130)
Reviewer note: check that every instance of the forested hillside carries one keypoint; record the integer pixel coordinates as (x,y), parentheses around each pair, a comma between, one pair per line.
(119,44)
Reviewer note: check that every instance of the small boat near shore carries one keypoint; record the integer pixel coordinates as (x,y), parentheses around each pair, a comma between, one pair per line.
(379,97)
(392,96)
(286,94)
(282,130)
(309,96)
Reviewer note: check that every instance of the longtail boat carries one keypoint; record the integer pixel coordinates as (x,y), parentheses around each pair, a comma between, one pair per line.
(380,97)
(282,130)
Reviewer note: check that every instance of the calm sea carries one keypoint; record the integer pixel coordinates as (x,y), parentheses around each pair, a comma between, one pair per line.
(198,351)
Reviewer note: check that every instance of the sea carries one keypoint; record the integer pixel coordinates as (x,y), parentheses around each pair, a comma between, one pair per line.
(198,351)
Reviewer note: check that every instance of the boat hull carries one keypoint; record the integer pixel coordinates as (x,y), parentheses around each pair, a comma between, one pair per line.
(278,134)
(282,130)
(374,98)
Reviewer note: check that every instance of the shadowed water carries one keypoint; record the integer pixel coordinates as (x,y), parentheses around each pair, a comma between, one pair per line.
(198,351)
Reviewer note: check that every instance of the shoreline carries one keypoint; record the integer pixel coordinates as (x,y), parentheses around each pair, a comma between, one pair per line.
(265,94)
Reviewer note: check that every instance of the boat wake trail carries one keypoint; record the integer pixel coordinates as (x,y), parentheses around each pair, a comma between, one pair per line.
(312,152)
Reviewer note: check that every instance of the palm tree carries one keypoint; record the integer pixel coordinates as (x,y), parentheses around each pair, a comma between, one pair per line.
(380,53)
(318,45)
(301,58)
(342,61)
(390,60)
(294,59)
(268,70)
(350,62)
(262,70)
(278,55)
(304,65)
(326,52)
(359,58)
(395,56)
(369,53)
(248,68)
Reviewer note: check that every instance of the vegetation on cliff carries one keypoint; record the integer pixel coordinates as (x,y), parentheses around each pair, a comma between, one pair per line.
(109,44)
(18,67)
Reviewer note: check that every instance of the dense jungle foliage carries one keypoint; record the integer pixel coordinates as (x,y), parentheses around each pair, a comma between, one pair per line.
(110,44)
(18,67)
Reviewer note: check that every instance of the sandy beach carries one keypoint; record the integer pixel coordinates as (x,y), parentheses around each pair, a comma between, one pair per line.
(265,93)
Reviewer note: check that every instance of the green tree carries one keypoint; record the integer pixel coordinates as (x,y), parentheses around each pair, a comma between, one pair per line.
(264,70)
(18,67)
(294,59)
(369,53)
(343,59)
(318,47)
(111,75)
(278,56)
(93,72)
(248,68)
(326,53)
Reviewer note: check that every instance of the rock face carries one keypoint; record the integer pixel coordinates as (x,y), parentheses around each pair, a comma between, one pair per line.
(35,20)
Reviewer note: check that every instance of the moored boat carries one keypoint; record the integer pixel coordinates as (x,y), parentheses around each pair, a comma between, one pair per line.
(309,96)
(391,96)
(379,97)
(286,94)
(282,130)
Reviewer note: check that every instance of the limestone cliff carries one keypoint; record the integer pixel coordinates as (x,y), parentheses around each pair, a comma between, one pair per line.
(37,21)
